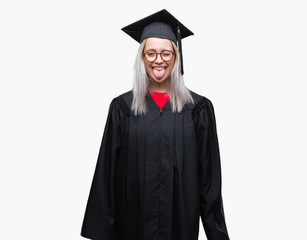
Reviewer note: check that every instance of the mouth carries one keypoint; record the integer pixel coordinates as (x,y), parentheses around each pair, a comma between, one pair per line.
(159,71)
(159,68)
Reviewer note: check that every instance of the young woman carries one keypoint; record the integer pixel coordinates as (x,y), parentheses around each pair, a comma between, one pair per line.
(158,169)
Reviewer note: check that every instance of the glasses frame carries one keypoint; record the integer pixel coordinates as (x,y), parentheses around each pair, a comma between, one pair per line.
(157,53)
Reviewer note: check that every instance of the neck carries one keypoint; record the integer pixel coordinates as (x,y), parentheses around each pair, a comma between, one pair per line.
(158,87)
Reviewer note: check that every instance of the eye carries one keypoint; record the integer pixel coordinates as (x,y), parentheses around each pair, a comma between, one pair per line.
(166,54)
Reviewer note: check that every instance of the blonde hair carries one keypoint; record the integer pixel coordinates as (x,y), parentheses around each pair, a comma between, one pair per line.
(177,91)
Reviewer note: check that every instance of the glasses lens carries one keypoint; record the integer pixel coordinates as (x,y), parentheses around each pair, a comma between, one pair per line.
(150,56)
(167,55)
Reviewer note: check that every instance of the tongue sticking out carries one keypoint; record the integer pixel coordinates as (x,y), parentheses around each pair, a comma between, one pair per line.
(159,72)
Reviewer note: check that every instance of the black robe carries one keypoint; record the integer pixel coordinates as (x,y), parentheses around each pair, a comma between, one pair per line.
(157,174)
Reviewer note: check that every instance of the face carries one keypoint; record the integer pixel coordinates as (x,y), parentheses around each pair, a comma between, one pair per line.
(159,71)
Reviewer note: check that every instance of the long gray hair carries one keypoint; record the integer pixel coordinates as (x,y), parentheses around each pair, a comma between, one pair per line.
(178,92)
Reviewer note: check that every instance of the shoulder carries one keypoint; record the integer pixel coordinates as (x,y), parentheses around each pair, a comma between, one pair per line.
(121,102)
(126,97)
(200,101)
(203,109)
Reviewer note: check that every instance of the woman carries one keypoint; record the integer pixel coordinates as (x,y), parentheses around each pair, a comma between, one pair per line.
(158,168)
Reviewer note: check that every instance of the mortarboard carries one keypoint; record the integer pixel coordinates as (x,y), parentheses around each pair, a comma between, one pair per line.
(161,24)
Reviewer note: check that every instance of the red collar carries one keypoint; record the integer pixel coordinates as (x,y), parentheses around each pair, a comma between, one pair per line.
(159,97)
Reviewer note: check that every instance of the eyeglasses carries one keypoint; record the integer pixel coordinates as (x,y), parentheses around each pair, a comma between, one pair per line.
(152,55)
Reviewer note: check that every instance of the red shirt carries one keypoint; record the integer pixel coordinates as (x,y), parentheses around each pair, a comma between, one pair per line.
(159,97)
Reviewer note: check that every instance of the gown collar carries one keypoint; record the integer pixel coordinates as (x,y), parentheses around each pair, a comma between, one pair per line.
(153,105)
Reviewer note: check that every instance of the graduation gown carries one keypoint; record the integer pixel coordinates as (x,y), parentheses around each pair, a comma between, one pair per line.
(157,174)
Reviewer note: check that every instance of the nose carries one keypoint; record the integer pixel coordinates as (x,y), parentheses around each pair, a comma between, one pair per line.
(159,59)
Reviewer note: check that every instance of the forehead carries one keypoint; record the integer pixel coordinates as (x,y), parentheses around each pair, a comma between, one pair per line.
(158,44)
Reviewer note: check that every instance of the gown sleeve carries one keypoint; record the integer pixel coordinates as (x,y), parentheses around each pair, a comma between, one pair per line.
(99,219)
(211,204)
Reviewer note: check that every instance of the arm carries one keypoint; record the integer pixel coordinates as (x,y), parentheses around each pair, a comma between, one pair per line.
(99,219)
(211,204)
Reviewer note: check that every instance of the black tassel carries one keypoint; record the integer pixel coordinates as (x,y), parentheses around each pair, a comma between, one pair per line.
(180,48)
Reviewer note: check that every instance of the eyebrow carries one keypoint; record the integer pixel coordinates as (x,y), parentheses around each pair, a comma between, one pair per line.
(156,50)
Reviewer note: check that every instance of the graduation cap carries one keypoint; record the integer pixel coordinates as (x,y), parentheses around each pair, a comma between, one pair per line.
(161,24)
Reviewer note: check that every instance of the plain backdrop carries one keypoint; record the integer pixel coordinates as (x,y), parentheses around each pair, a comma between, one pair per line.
(62,62)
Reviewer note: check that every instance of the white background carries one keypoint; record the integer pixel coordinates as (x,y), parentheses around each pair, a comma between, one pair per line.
(62,62)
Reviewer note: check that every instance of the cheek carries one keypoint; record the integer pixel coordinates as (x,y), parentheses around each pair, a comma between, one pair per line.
(148,67)
(171,66)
